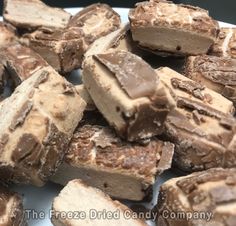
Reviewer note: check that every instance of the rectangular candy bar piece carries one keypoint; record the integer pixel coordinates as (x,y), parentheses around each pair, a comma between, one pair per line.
(216,73)
(34,14)
(77,197)
(201,141)
(173,28)
(121,169)
(95,21)
(225,45)
(11,211)
(203,198)
(193,95)
(21,62)
(62,49)
(127,91)
(37,123)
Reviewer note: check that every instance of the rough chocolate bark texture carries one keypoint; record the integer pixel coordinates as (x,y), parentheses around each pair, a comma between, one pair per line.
(103,160)
(21,62)
(114,154)
(202,142)
(212,191)
(217,73)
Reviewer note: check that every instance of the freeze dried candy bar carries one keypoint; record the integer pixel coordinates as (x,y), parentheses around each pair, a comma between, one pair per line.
(201,142)
(121,169)
(216,73)
(192,95)
(205,198)
(21,62)
(82,91)
(7,34)
(62,49)
(95,21)
(127,91)
(77,197)
(172,28)
(225,44)
(34,14)
(37,123)
(11,209)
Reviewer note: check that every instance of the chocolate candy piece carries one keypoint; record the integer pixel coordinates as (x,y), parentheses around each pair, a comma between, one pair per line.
(37,123)
(216,73)
(128,93)
(11,209)
(34,14)
(204,198)
(202,126)
(167,27)
(225,44)
(95,21)
(201,141)
(193,95)
(21,62)
(62,49)
(101,159)
(79,198)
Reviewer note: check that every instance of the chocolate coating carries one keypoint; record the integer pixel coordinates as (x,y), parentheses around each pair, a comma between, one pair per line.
(168,14)
(114,154)
(36,132)
(62,49)
(145,104)
(135,76)
(212,191)
(21,62)
(217,73)
(202,142)
(95,21)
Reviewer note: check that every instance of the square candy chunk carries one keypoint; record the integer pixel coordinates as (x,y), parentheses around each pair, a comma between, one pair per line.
(128,93)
